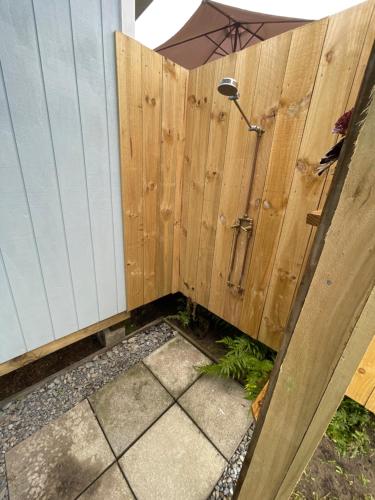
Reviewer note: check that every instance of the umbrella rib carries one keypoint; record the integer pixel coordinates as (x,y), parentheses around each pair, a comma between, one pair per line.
(217,45)
(223,40)
(195,37)
(252,36)
(251,32)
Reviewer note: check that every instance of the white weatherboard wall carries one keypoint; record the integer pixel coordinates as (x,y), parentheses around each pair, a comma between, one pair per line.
(61,246)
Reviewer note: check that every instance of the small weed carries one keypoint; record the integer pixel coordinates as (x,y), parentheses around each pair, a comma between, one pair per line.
(184,314)
(297,496)
(364,480)
(339,469)
(348,429)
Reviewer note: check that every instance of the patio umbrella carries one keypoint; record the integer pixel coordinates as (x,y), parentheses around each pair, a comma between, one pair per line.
(215,30)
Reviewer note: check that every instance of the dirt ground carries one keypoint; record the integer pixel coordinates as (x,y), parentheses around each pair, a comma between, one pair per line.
(332,477)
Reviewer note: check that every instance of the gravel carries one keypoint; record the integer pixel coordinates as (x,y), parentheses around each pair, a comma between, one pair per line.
(225,486)
(21,418)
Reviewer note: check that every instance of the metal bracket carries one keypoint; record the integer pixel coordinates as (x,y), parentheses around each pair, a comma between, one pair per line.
(254,128)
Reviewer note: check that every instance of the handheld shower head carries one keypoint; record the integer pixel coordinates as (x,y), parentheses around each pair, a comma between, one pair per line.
(228,87)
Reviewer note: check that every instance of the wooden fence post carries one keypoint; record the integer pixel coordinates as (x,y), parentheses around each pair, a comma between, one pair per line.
(331,323)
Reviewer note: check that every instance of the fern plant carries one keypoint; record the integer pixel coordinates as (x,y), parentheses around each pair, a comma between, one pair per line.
(245,361)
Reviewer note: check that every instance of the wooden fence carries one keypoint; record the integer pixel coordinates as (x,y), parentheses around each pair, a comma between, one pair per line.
(186,167)
(152,108)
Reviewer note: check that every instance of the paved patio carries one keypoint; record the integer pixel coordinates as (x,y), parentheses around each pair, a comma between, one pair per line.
(158,431)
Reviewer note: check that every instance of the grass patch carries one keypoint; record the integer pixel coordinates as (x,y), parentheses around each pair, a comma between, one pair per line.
(349,429)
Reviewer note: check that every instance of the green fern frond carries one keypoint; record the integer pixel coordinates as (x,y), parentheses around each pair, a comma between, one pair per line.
(245,361)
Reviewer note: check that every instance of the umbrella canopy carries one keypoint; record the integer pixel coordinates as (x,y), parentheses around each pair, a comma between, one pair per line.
(215,30)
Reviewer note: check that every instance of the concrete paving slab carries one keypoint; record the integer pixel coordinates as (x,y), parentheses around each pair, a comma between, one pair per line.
(61,459)
(218,406)
(111,485)
(172,460)
(128,405)
(173,364)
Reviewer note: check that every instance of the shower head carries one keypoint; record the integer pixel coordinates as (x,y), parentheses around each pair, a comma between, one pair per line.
(228,87)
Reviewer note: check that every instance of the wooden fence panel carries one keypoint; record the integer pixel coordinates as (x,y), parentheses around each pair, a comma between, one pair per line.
(362,386)
(326,333)
(172,144)
(151,121)
(129,76)
(191,113)
(269,82)
(152,99)
(205,84)
(235,162)
(328,102)
(219,119)
(299,80)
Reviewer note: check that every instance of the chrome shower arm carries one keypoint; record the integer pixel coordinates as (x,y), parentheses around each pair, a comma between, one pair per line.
(252,128)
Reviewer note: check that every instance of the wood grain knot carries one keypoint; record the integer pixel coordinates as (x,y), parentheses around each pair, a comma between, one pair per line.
(266,204)
(166,212)
(329,56)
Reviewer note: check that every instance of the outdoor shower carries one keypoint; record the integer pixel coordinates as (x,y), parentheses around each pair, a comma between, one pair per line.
(229,88)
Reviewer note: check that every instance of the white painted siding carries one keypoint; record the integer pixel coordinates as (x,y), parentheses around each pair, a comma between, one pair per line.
(61,261)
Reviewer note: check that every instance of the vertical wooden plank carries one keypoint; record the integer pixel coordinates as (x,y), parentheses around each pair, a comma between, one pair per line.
(370,404)
(111,22)
(298,83)
(268,88)
(179,153)
(63,111)
(151,118)
(129,75)
(88,51)
(236,155)
(203,102)
(327,103)
(362,384)
(172,144)
(191,116)
(26,97)
(219,119)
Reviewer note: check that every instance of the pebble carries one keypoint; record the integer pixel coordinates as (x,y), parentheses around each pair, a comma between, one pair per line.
(21,418)
(225,487)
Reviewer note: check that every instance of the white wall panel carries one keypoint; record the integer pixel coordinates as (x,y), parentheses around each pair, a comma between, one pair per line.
(87,36)
(111,16)
(57,56)
(19,249)
(60,205)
